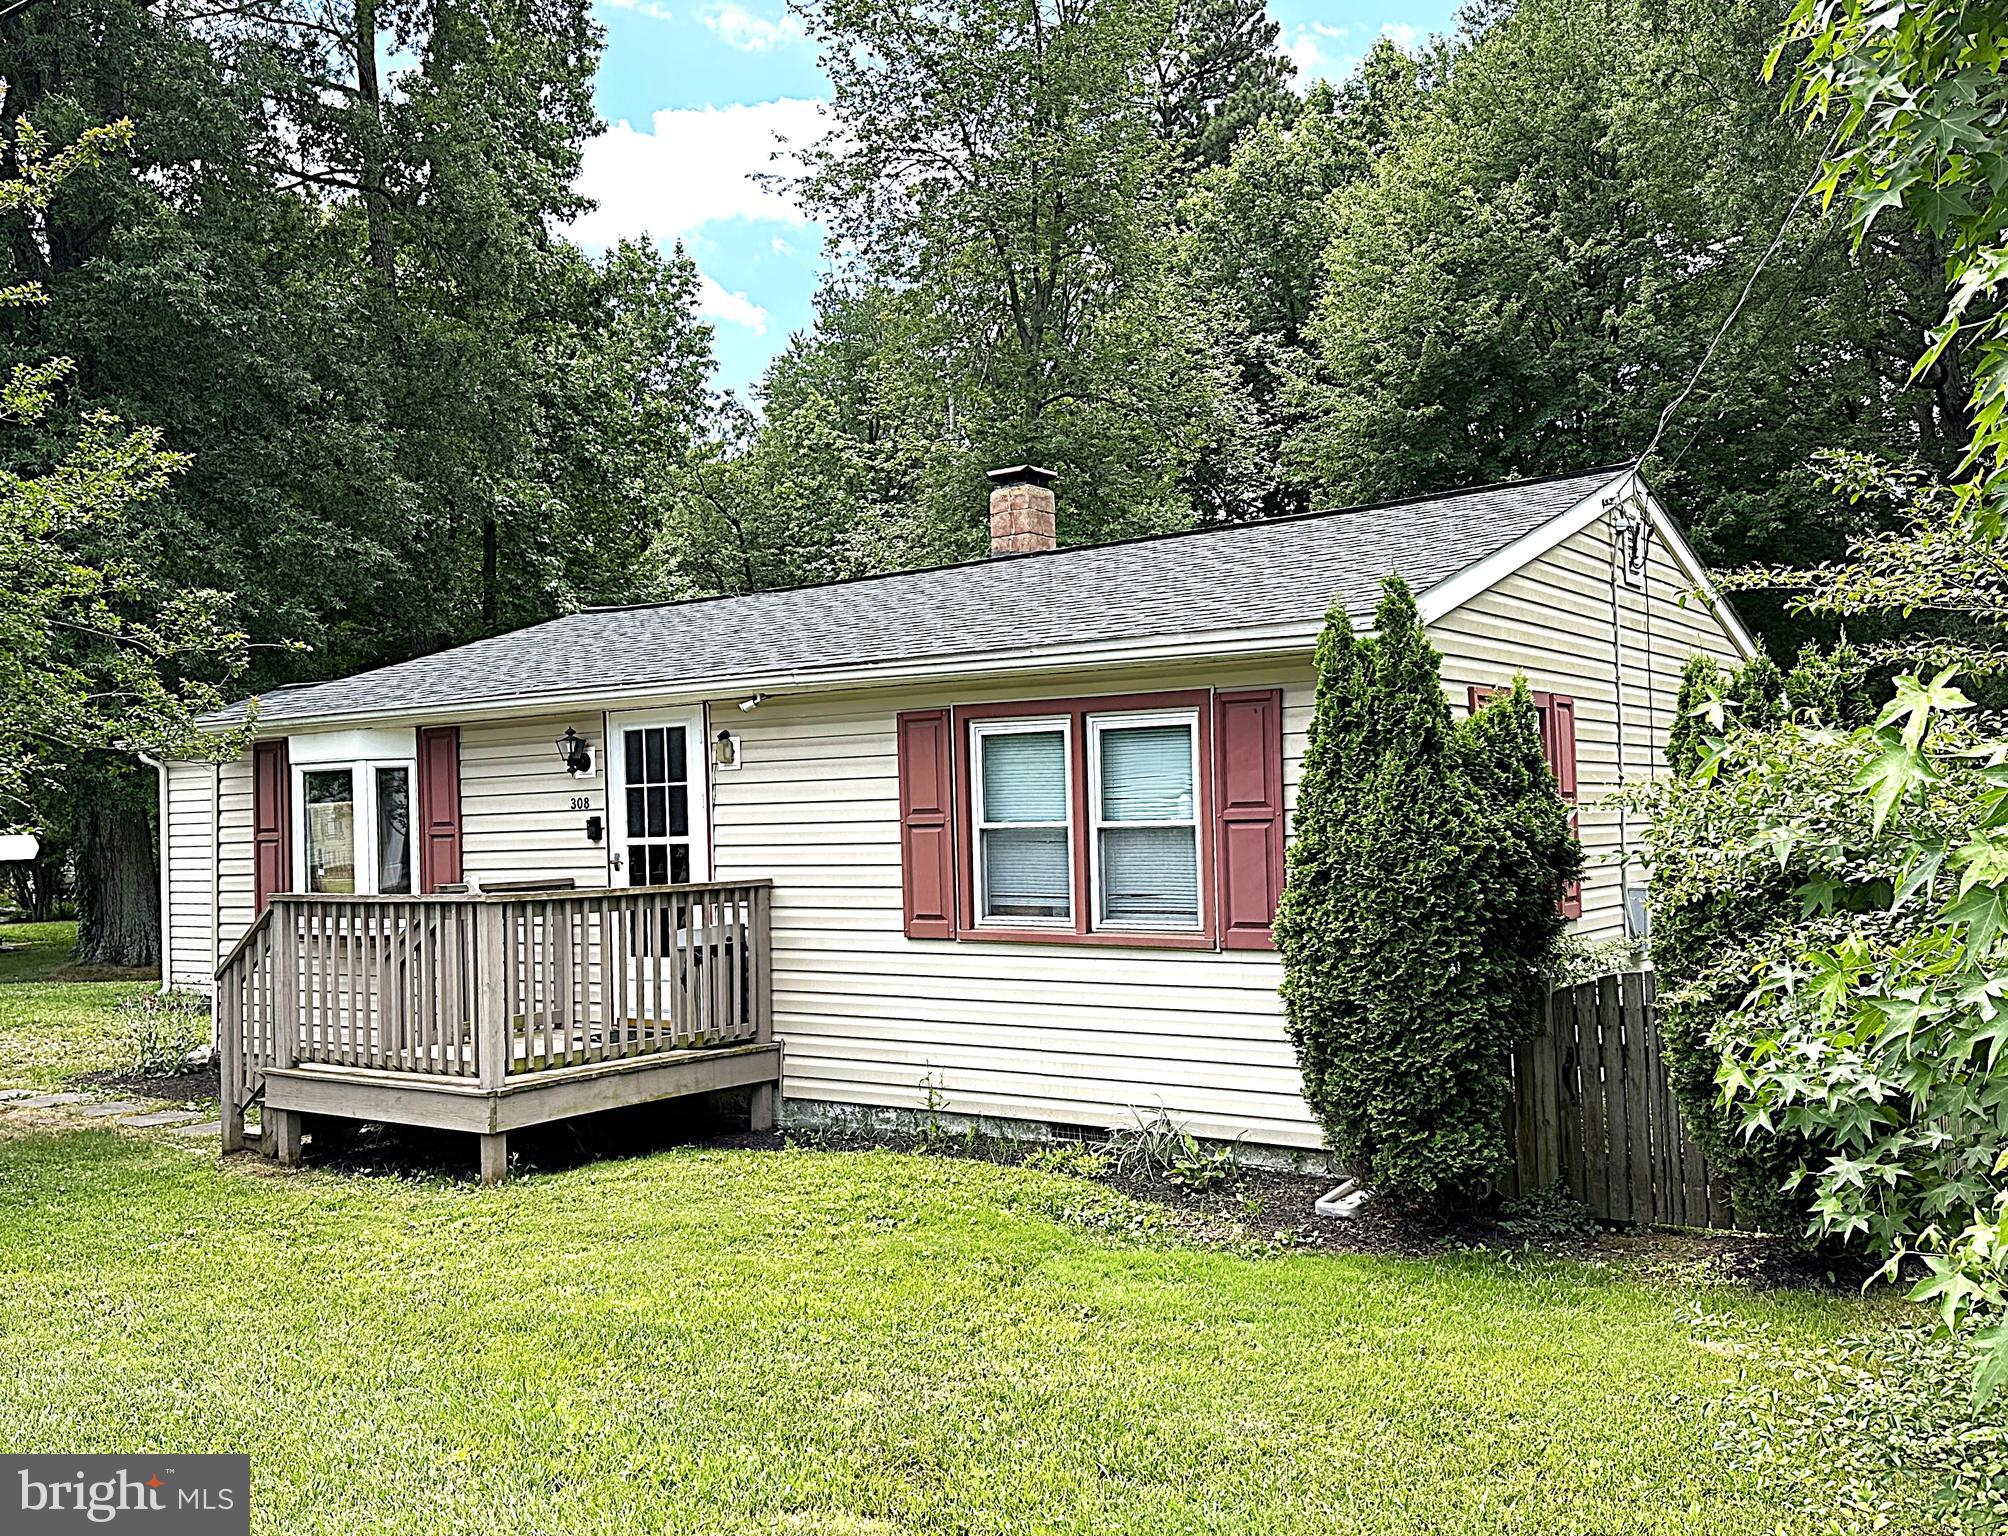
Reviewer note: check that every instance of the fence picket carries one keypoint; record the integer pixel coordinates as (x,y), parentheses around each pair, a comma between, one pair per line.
(1592,1104)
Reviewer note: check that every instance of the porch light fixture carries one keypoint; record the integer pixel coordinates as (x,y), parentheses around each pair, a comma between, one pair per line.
(725,750)
(575,752)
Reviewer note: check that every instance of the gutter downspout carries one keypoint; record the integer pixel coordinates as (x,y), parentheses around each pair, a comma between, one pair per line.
(166,905)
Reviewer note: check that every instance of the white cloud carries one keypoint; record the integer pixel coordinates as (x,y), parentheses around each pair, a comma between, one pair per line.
(643,8)
(782,247)
(1316,50)
(714,303)
(739,28)
(1310,51)
(690,168)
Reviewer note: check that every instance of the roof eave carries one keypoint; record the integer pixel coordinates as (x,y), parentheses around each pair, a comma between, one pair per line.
(1255,642)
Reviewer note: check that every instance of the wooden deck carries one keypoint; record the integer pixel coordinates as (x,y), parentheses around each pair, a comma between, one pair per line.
(489,1013)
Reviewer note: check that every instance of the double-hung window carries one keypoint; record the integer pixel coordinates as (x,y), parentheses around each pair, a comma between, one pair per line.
(354,828)
(1140,819)
(1143,793)
(1023,807)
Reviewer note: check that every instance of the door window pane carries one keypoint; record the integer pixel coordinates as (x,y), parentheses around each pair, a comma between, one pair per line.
(393,831)
(330,797)
(656,803)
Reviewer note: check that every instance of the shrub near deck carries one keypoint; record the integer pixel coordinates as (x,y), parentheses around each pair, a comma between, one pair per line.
(727,1341)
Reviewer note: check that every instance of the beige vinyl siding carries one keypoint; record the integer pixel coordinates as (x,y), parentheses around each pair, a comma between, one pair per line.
(1552,620)
(236,887)
(516,815)
(190,840)
(1048,1032)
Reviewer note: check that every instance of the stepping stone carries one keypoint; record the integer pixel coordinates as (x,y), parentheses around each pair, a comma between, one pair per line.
(164,1117)
(51,1100)
(9,1094)
(116,1107)
(207,1128)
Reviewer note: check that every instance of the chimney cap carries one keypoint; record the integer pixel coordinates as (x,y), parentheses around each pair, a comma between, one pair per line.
(1022,474)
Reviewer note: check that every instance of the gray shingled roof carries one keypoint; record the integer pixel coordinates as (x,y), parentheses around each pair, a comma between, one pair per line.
(1249,574)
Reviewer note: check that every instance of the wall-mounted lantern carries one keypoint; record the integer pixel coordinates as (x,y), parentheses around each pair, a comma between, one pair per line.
(725,750)
(576,753)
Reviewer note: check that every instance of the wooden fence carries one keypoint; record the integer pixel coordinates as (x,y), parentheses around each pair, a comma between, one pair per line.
(1593,1110)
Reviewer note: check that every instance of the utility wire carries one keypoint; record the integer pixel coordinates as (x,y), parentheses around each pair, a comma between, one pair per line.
(1736,309)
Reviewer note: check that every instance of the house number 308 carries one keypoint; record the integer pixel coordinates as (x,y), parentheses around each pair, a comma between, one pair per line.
(582,802)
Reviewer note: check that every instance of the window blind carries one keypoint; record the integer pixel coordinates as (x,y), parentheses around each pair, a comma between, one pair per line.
(1027,871)
(1150,874)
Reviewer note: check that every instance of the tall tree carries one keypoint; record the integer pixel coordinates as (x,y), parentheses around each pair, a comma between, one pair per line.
(1256,232)
(1219,73)
(94,650)
(1534,270)
(414,413)
(996,177)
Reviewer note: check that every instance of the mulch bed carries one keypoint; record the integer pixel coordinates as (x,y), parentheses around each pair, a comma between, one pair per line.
(181,1088)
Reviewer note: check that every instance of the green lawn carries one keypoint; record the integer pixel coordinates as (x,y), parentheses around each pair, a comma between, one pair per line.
(55,1016)
(720,1341)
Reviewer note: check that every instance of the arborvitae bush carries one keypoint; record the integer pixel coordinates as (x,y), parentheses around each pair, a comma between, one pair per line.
(1426,876)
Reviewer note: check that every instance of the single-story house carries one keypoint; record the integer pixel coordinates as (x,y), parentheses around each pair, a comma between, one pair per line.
(1000,839)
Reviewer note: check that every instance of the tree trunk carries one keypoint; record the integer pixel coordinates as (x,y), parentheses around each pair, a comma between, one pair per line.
(376,204)
(491,574)
(118,877)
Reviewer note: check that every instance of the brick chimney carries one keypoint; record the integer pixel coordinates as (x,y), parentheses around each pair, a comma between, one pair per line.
(1023,519)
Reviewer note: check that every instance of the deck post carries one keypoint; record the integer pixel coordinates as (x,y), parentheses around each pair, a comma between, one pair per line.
(286,984)
(282,1131)
(226,1007)
(491,997)
(494,1158)
(761,1110)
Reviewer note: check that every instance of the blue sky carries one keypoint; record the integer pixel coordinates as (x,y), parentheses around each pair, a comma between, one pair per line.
(696,93)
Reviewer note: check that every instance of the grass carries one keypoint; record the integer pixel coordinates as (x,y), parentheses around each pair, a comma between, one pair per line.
(734,1341)
(56,1017)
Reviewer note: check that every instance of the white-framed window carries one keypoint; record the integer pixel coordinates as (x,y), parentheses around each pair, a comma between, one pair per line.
(1143,817)
(352,827)
(1022,801)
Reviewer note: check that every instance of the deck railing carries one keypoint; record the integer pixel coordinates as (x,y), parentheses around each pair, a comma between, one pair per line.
(486,988)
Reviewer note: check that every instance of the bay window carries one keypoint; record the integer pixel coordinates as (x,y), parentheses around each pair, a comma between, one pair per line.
(352,829)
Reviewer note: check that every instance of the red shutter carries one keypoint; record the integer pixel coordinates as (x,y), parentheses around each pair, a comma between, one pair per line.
(1482,694)
(1248,775)
(271,820)
(927,822)
(1558,740)
(439,807)
(1560,720)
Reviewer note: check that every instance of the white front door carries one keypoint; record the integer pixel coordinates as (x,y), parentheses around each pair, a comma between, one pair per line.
(658,808)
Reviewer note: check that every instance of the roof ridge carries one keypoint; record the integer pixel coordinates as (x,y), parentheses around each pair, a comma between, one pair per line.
(993,561)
